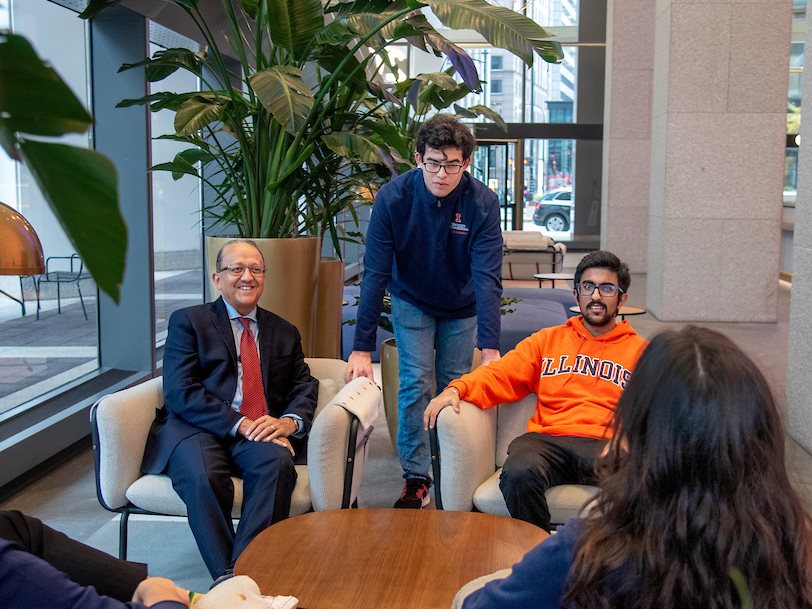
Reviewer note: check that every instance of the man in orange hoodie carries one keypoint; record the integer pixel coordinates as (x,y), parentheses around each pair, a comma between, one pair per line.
(578,372)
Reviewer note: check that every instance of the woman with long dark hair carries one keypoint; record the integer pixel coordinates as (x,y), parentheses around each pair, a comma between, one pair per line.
(695,508)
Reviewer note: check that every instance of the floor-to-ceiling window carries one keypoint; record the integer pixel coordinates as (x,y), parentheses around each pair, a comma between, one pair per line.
(176,204)
(37,356)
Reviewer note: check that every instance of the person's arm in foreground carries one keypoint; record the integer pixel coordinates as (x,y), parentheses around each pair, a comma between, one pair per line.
(537,581)
(27,582)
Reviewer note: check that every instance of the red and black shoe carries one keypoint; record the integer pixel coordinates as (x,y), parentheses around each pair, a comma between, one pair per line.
(415,495)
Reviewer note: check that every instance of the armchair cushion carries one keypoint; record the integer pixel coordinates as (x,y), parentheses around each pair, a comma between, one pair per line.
(121,423)
(472,449)
(330,437)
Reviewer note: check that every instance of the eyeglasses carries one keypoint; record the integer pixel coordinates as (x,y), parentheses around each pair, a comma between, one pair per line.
(451,169)
(238,270)
(587,288)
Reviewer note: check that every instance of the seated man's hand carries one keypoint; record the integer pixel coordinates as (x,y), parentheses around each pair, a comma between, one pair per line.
(448,397)
(153,590)
(359,364)
(269,429)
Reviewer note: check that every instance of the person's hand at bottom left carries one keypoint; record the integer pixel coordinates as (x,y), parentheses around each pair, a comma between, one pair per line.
(156,589)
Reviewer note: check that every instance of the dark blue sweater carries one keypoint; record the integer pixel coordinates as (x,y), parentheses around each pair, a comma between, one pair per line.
(537,581)
(443,256)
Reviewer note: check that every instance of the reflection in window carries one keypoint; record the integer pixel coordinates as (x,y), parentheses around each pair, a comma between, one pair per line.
(38,356)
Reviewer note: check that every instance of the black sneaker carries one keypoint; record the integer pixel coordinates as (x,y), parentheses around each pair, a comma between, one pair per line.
(415,495)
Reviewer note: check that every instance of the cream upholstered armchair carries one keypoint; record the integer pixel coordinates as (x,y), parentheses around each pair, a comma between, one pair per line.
(468,450)
(336,454)
(529,252)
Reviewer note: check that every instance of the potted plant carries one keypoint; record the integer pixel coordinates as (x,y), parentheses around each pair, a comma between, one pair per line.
(285,133)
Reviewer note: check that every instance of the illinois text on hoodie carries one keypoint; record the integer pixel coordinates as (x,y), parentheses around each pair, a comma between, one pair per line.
(577,377)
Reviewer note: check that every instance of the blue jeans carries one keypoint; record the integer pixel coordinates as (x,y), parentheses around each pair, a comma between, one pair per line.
(428,349)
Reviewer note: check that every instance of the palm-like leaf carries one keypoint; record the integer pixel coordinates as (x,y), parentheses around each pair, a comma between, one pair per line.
(294,23)
(500,26)
(198,112)
(284,94)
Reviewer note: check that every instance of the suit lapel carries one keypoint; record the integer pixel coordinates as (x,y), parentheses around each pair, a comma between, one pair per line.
(219,317)
(265,321)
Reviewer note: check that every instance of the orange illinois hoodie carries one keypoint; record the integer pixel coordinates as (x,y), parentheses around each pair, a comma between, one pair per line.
(578,377)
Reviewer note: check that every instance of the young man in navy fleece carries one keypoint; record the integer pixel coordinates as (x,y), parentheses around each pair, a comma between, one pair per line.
(435,243)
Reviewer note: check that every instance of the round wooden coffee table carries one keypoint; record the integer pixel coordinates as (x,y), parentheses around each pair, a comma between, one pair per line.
(383,558)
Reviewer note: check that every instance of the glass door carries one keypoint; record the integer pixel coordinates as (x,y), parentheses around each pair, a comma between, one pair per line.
(494,164)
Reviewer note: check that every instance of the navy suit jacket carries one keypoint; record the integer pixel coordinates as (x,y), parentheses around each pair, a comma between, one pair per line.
(200,379)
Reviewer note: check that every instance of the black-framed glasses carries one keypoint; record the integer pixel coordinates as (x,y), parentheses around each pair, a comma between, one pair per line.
(587,288)
(451,169)
(238,270)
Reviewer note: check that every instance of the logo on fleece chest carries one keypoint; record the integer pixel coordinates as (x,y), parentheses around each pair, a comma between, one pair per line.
(584,365)
(458,227)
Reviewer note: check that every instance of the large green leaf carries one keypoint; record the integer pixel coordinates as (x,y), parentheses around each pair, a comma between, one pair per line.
(480,110)
(162,100)
(284,94)
(500,26)
(80,186)
(293,24)
(33,98)
(197,112)
(167,61)
(353,146)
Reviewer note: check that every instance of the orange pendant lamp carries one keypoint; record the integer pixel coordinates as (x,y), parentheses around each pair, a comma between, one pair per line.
(20,248)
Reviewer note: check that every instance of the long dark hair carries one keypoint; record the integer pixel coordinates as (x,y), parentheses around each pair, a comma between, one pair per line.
(694,488)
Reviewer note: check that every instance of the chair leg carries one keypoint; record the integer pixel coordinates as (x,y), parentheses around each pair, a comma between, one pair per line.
(37,283)
(434,443)
(122,534)
(349,465)
(81,300)
(22,295)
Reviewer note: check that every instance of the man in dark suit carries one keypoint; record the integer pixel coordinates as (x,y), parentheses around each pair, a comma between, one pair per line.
(230,408)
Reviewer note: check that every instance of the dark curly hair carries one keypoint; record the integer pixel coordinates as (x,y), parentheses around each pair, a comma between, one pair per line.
(443,131)
(694,488)
(604,260)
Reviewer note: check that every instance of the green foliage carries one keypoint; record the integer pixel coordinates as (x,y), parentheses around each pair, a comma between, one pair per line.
(302,133)
(80,185)
(385,320)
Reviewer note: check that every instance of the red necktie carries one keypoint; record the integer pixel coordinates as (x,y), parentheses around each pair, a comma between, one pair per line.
(253,394)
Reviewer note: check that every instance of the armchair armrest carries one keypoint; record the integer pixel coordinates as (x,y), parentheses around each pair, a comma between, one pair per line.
(120,425)
(337,448)
(463,454)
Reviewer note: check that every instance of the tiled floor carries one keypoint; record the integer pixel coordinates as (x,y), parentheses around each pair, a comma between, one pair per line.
(66,497)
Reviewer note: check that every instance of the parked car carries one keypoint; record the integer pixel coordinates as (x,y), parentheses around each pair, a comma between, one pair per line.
(554,210)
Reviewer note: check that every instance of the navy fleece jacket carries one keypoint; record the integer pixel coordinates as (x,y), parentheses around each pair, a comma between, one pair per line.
(443,256)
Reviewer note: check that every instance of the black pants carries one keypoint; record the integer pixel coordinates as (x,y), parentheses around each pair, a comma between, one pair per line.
(83,564)
(536,462)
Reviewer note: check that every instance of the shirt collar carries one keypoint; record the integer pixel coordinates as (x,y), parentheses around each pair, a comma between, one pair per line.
(233,314)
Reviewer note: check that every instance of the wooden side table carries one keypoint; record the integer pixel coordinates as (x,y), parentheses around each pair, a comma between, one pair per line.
(553,277)
(383,558)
